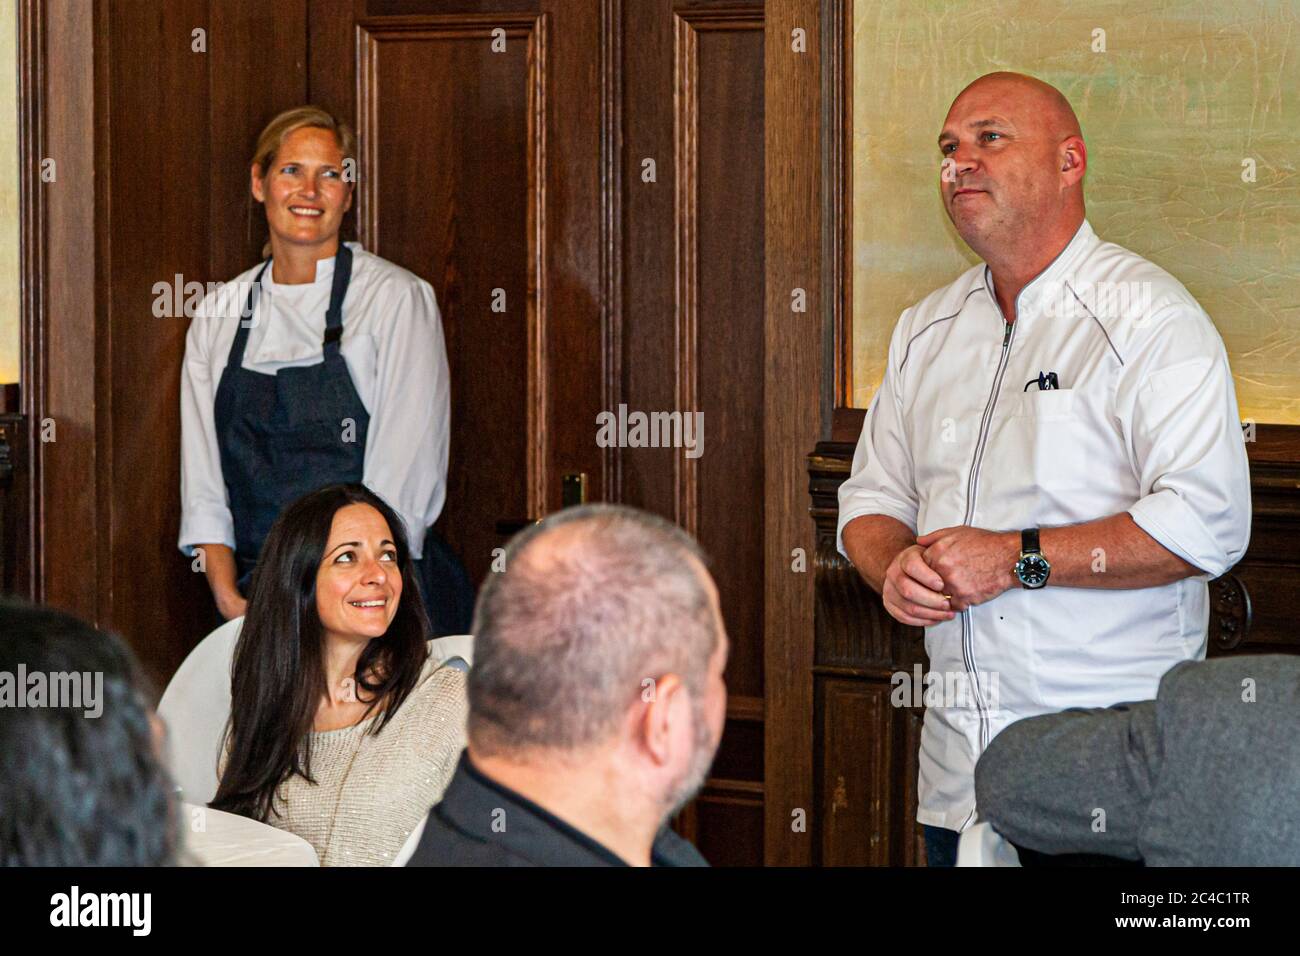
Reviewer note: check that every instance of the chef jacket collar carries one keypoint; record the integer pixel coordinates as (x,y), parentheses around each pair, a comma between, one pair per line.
(324,271)
(1052,281)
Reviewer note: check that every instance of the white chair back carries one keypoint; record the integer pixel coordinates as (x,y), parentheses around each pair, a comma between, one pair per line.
(408,848)
(195,708)
(453,645)
(981,845)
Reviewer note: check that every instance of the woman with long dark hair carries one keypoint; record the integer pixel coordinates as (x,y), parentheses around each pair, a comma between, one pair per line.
(342,728)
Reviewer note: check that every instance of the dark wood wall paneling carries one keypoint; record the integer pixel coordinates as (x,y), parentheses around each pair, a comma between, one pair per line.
(720,234)
(180,128)
(151,141)
(794,358)
(528,179)
(866,749)
(66,509)
(15,491)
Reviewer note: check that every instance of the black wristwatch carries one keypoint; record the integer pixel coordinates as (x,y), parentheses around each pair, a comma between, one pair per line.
(1032,570)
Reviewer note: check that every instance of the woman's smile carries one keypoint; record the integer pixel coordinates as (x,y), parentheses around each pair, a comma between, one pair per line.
(359,571)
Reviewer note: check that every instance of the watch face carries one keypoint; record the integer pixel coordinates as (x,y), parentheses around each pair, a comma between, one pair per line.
(1032,571)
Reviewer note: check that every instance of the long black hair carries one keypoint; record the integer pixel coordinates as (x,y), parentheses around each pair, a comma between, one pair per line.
(278,677)
(79,788)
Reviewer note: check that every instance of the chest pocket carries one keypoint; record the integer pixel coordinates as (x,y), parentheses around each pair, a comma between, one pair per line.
(1050,405)
(1041,452)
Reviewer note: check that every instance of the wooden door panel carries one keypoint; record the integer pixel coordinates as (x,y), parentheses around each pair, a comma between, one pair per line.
(481,171)
(692,340)
(723,216)
(449,189)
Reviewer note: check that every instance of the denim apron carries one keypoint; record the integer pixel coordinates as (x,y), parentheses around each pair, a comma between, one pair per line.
(281,435)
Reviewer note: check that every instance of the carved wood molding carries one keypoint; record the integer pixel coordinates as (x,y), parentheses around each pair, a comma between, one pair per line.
(686,177)
(851,625)
(1230,612)
(15,528)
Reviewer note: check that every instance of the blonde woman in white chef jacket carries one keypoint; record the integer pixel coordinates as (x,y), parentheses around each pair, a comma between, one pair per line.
(323,364)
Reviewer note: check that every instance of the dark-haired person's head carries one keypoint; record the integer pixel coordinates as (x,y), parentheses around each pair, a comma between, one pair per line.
(81,780)
(598,668)
(334,582)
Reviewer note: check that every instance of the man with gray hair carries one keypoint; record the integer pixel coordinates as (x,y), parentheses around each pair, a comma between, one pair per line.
(596,699)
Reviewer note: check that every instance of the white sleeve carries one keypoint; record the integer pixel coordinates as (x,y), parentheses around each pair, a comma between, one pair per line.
(205,508)
(881,481)
(1179,409)
(409,434)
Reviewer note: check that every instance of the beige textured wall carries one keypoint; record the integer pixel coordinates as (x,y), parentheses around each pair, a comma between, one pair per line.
(9,277)
(1184,92)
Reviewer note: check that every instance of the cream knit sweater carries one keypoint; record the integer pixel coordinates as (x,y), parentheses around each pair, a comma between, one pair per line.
(392,780)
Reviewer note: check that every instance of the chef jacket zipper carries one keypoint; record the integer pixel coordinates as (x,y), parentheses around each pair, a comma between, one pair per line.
(972,488)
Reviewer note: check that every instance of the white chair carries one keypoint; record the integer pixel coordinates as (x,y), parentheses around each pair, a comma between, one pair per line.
(196,705)
(215,838)
(408,848)
(453,645)
(981,845)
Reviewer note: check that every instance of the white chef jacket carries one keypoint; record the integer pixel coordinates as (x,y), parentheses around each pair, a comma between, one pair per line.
(393,345)
(1145,421)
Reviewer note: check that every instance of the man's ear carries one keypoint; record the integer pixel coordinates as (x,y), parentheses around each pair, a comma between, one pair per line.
(665,703)
(1074,160)
(256,183)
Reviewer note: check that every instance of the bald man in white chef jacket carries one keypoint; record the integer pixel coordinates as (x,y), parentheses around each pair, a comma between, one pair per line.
(1053,466)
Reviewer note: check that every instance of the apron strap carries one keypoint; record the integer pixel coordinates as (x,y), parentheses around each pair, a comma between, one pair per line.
(333,315)
(338,291)
(235,358)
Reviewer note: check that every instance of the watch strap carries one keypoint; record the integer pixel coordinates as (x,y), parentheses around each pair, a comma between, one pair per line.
(1029,541)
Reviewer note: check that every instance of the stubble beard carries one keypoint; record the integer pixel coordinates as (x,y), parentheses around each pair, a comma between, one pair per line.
(690,783)
(983,233)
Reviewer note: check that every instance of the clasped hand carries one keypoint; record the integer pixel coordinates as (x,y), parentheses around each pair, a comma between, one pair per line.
(947,571)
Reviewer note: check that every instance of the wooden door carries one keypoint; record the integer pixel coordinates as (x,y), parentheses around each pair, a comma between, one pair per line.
(480,126)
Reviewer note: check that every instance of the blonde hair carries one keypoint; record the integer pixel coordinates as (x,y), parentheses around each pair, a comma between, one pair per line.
(272,138)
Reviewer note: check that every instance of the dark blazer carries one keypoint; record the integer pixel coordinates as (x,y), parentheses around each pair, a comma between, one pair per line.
(482,823)
(1207,774)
